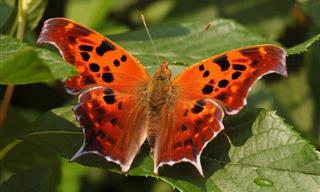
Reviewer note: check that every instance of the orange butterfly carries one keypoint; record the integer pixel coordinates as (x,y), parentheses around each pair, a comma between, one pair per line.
(121,106)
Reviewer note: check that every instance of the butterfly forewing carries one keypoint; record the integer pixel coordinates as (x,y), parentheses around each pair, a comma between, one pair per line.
(228,77)
(98,60)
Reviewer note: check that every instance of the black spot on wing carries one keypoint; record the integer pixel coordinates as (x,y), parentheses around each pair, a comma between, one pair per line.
(201,67)
(109,99)
(207,89)
(85,56)
(196,109)
(107,77)
(85,48)
(206,74)
(116,63)
(104,47)
(94,67)
(239,67)
(223,83)
(123,58)
(223,63)
(236,75)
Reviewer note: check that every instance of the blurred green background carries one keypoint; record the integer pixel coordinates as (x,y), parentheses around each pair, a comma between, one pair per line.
(287,21)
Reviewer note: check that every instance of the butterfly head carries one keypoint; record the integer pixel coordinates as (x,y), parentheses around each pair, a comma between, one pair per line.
(163,73)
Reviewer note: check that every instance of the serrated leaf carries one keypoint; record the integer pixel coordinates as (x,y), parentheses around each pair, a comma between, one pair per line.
(22,64)
(269,155)
(302,47)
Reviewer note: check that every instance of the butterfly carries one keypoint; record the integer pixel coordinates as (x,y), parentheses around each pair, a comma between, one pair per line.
(120,106)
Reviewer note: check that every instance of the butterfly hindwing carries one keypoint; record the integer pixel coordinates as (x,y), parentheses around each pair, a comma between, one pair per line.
(113,124)
(228,77)
(98,60)
(185,130)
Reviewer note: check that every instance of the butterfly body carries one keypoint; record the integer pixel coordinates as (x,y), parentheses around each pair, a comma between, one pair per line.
(120,105)
(160,94)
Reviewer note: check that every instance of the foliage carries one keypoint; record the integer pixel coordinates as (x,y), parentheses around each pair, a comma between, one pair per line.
(258,150)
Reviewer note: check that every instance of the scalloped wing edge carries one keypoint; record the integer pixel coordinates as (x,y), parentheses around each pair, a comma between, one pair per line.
(124,167)
(197,162)
(282,70)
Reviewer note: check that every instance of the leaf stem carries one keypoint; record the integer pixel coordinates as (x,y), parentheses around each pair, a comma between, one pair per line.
(20,33)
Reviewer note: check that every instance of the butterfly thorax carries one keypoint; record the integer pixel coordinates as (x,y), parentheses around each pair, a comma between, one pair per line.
(159,92)
(159,87)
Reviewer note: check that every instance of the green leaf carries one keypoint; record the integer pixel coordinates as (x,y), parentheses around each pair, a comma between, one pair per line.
(175,43)
(302,47)
(269,155)
(22,64)
(89,13)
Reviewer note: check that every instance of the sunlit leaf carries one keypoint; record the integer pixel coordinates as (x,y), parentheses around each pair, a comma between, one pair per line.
(22,64)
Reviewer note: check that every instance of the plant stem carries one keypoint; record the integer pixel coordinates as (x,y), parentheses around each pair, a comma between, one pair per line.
(9,90)
(5,103)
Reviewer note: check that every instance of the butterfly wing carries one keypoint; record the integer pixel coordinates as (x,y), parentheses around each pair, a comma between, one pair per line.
(196,117)
(227,78)
(98,60)
(185,130)
(114,125)
(111,107)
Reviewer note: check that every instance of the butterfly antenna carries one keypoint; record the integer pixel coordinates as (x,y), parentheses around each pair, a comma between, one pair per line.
(149,35)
